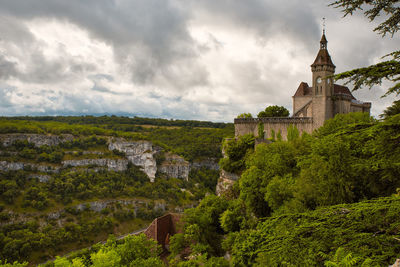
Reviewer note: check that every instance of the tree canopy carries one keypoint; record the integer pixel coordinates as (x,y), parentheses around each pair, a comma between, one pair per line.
(274,111)
(392,110)
(388,69)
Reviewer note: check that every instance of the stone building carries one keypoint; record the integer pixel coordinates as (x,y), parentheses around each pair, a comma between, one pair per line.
(311,105)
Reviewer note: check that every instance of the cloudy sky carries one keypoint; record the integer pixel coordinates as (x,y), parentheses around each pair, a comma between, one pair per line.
(186,59)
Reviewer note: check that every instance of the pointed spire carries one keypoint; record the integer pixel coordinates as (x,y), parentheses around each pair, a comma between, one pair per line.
(323,42)
(323,57)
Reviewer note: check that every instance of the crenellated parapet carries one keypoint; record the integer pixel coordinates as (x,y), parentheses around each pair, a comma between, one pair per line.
(274,120)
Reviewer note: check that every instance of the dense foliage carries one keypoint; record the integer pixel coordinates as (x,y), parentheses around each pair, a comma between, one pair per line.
(121,120)
(273,111)
(268,218)
(235,153)
(394,109)
(47,212)
(367,229)
(135,250)
(245,116)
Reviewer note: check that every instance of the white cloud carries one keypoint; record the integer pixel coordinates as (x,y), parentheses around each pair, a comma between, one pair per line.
(208,60)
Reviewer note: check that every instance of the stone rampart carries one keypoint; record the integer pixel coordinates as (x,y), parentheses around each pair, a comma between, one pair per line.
(277,124)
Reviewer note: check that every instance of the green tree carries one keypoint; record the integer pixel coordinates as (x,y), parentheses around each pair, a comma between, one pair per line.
(104,258)
(392,110)
(261,130)
(245,116)
(138,249)
(346,259)
(267,161)
(274,111)
(386,70)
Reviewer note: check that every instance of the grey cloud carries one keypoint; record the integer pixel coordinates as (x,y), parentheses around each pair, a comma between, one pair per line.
(7,68)
(101,76)
(102,89)
(5,97)
(146,35)
(294,18)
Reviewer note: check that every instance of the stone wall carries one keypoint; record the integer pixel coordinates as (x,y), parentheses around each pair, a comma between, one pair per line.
(250,125)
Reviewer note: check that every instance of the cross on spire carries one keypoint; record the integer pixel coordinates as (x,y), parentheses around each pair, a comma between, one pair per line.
(323,25)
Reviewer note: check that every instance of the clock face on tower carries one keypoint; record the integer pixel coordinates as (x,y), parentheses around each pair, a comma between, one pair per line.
(319,80)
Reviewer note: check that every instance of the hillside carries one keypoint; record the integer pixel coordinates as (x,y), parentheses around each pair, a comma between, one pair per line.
(68,185)
(327,197)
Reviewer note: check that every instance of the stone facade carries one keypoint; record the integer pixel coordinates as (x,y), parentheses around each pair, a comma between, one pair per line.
(312,106)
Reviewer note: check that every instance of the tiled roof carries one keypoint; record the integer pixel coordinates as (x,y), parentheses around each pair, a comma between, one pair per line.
(303,90)
(323,58)
(340,89)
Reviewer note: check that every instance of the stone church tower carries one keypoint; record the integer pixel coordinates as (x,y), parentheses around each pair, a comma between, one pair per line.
(324,99)
(323,90)
(312,106)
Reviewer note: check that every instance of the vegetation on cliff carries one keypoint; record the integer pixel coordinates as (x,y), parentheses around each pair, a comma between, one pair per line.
(282,210)
(48,207)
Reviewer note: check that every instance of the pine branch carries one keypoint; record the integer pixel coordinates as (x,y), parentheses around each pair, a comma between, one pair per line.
(374,75)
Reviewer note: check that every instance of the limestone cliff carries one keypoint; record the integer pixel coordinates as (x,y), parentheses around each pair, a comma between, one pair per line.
(37,139)
(16,166)
(175,166)
(225,181)
(111,164)
(211,164)
(140,153)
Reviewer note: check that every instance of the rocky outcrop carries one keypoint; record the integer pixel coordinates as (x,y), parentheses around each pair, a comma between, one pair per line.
(396,264)
(37,139)
(140,153)
(41,178)
(211,164)
(225,181)
(111,164)
(175,166)
(17,166)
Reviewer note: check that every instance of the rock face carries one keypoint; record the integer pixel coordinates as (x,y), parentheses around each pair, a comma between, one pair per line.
(16,166)
(41,178)
(225,181)
(37,139)
(175,166)
(211,164)
(111,164)
(140,153)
